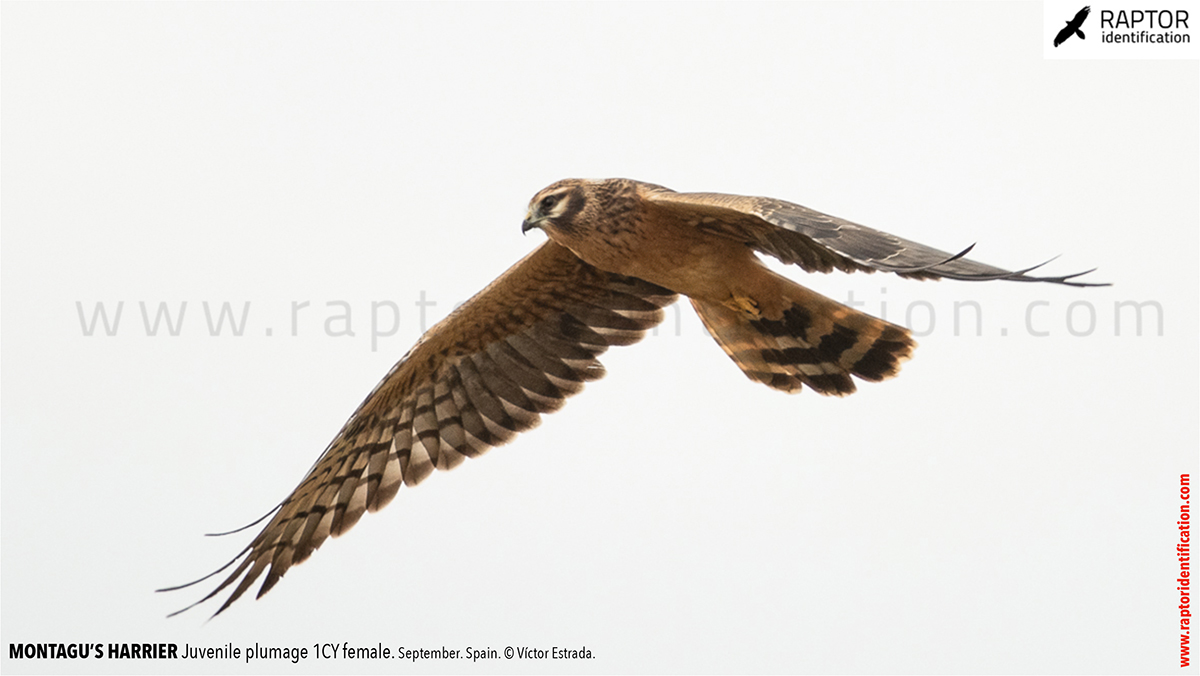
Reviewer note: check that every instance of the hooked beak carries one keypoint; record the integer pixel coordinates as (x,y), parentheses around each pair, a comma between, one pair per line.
(532,219)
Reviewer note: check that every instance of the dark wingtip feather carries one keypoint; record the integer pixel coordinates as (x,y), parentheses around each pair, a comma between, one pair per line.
(1062,279)
(1003,275)
(252,523)
(928,267)
(197,581)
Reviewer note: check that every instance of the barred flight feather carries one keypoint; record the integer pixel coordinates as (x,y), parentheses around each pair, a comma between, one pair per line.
(448,400)
(818,242)
(815,342)
(531,338)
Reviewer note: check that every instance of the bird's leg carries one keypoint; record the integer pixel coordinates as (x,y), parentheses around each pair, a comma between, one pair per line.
(743,304)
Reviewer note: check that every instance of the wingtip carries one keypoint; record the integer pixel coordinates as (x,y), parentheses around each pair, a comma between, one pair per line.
(1065,280)
(249,525)
(930,266)
(1022,272)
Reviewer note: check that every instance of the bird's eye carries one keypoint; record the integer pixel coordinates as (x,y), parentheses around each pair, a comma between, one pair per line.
(549,201)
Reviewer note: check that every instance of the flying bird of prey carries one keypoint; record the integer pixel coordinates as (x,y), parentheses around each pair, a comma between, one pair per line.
(618,252)
(1073,26)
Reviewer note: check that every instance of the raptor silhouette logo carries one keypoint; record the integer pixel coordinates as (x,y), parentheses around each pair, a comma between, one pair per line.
(1073,26)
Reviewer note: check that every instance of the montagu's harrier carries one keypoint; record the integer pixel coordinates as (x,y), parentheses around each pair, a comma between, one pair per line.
(618,252)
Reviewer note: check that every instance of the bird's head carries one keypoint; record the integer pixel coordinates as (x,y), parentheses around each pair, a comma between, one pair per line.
(556,206)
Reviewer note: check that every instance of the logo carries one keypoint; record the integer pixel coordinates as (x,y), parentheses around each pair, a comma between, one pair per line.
(1073,26)
(1119,29)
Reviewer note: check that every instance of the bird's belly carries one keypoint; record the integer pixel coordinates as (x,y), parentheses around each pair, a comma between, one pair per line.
(703,268)
(676,256)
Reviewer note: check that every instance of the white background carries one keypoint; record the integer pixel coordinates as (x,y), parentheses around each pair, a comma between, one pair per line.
(1008,504)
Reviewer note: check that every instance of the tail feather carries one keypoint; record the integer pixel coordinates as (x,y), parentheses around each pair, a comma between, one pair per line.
(814,342)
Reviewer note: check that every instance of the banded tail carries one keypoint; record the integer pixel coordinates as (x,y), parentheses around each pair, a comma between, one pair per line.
(816,342)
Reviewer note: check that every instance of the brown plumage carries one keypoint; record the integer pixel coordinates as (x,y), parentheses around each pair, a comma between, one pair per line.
(619,252)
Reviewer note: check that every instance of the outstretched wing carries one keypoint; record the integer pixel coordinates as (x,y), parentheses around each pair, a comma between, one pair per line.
(819,242)
(1080,16)
(1066,32)
(516,350)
